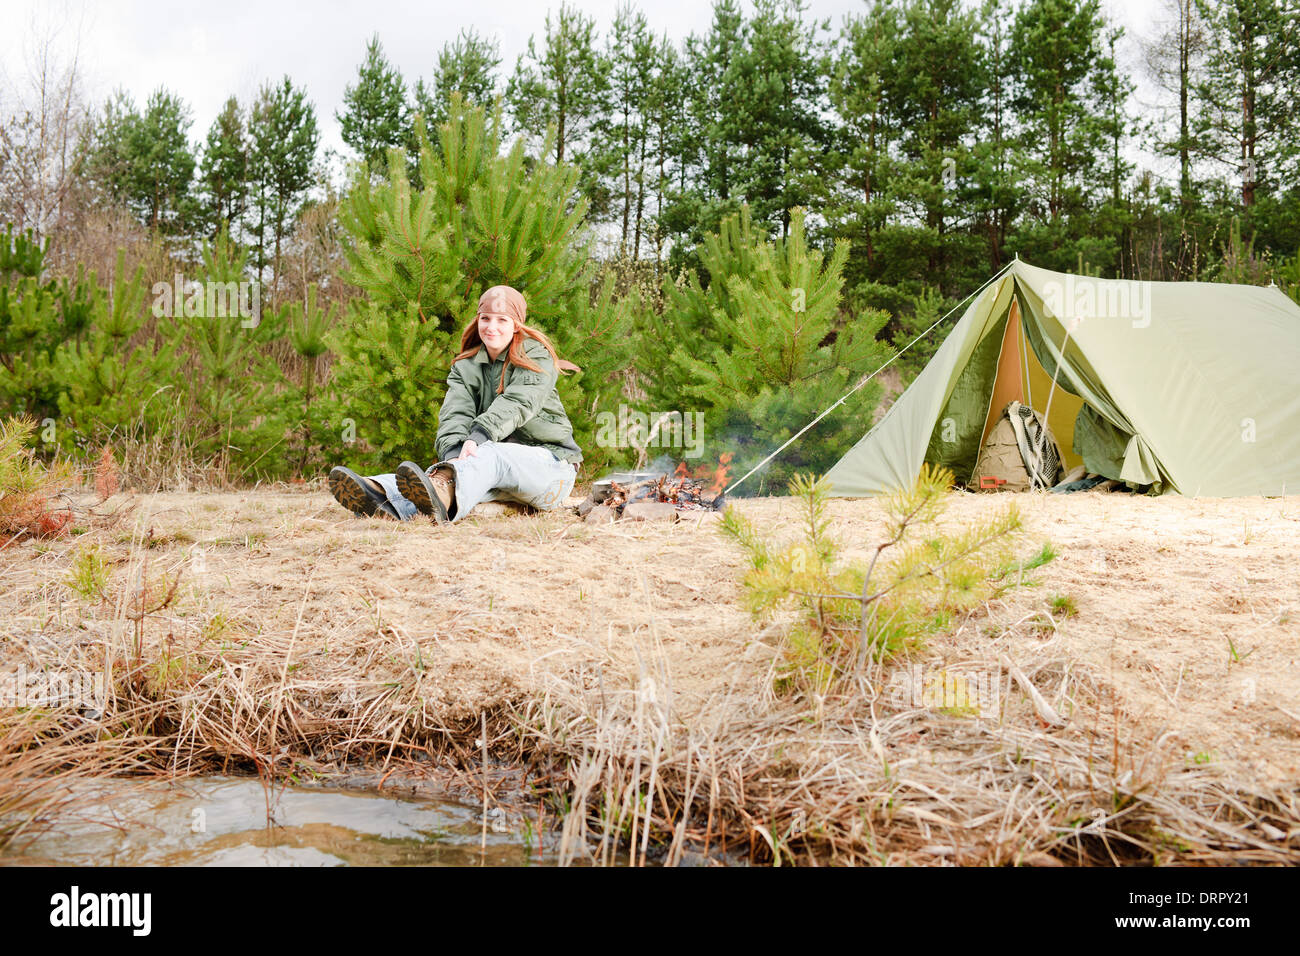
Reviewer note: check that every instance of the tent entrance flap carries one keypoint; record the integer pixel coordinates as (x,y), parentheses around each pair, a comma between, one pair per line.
(956,439)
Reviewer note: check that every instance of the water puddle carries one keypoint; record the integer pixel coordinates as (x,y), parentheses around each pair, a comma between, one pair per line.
(222,821)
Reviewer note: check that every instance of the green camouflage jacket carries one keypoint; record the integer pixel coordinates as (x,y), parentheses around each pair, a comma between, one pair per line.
(529,411)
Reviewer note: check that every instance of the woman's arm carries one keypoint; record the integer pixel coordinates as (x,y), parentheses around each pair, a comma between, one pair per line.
(525,394)
(455,416)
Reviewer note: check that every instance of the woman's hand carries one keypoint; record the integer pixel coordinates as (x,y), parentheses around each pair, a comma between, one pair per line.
(468,450)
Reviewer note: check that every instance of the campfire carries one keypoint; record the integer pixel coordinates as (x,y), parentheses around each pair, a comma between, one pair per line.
(651,496)
(716,474)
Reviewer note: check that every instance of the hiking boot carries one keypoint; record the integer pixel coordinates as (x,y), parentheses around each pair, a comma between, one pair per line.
(444,489)
(361,496)
(431,494)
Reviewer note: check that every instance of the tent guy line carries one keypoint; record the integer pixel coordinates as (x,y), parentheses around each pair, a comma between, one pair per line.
(937,322)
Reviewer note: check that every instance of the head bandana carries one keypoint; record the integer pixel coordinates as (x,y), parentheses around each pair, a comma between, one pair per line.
(504,300)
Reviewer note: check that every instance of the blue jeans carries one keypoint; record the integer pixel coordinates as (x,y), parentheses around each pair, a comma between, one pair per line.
(500,471)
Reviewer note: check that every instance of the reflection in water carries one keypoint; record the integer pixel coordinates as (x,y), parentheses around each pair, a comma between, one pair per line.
(222,821)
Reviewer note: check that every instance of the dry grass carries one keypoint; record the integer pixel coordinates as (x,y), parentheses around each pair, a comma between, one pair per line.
(864,781)
(617,665)
(46,755)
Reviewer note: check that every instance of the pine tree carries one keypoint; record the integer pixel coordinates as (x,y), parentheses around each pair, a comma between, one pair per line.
(38,315)
(394,348)
(228,391)
(996,195)
(144,160)
(712,64)
(1173,58)
(860,202)
(1243,125)
(666,132)
(913,325)
(1114,216)
(621,148)
(776,87)
(374,119)
(107,381)
(466,66)
(1065,104)
(308,410)
(564,84)
(424,256)
(703,193)
(764,348)
(224,170)
(755,133)
(914,182)
(1056,43)
(284,138)
(936,86)
(111,383)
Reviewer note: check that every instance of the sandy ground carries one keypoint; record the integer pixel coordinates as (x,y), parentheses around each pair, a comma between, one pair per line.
(498,608)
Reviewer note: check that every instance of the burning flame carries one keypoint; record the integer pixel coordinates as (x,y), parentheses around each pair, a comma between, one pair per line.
(715,474)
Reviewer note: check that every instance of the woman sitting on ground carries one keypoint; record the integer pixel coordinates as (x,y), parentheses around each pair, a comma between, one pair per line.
(502,430)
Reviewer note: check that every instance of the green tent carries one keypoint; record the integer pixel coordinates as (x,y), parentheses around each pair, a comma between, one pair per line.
(1190,387)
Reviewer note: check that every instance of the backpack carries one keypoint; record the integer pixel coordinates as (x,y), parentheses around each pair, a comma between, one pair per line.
(1020,453)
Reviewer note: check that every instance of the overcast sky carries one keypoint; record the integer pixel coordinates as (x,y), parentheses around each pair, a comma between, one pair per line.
(207,51)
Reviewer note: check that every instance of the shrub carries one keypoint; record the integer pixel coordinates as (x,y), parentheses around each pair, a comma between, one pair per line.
(308,408)
(37,316)
(89,574)
(27,486)
(230,384)
(917,582)
(107,379)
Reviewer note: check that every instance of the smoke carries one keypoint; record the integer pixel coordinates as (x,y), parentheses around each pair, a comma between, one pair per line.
(664,464)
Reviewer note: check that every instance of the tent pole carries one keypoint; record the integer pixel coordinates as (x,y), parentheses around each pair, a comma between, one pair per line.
(1024,360)
(1042,434)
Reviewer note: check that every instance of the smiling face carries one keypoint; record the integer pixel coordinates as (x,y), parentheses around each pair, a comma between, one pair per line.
(496,330)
